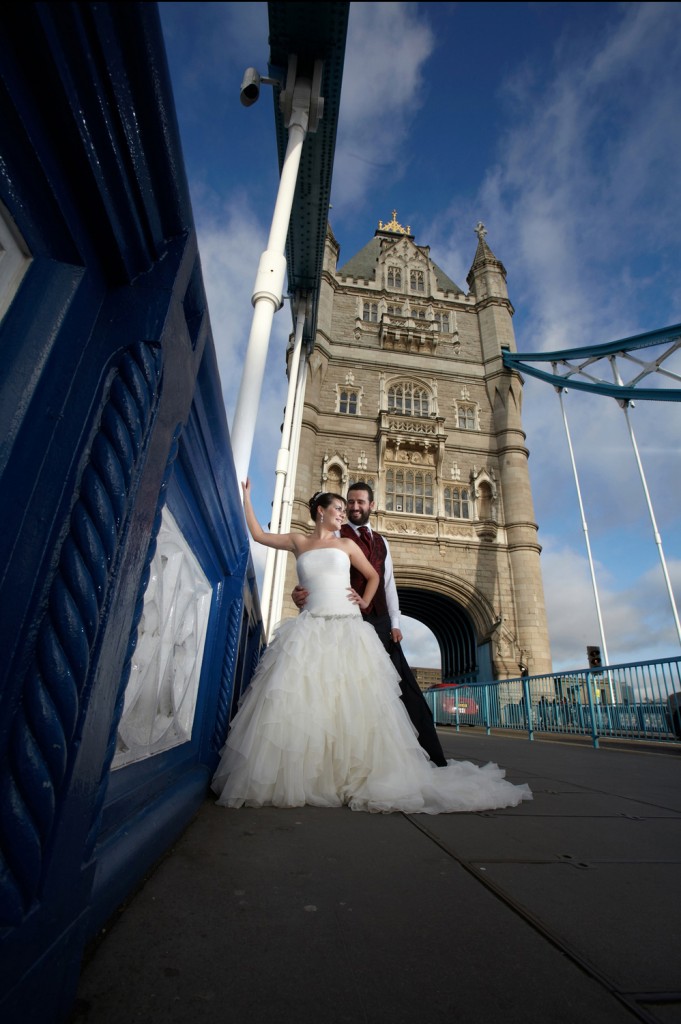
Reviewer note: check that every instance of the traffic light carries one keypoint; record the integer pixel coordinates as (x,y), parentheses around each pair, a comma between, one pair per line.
(594,656)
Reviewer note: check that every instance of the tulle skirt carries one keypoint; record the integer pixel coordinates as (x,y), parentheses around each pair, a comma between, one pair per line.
(322,723)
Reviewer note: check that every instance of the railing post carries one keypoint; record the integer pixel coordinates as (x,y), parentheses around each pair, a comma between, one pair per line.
(487,714)
(528,709)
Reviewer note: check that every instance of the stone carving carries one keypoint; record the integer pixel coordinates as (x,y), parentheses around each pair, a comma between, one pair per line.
(410,527)
(413,426)
(160,698)
(455,531)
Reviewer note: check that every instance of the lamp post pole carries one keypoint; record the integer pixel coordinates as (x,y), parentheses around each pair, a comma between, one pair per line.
(303,105)
(270,612)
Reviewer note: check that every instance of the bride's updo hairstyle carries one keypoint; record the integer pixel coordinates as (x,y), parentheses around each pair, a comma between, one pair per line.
(322,499)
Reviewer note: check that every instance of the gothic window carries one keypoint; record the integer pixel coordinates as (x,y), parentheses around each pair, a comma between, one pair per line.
(457,503)
(442,321)
(409,490)
(394,311)
(418,314)
(409,399)
(370,312)
(348,403)
(394,277)
(465,417)
(417,281)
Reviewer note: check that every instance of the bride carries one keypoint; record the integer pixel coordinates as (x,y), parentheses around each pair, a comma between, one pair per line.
(322,722)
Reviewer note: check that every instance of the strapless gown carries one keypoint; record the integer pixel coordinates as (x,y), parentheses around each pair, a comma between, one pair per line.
(322,722)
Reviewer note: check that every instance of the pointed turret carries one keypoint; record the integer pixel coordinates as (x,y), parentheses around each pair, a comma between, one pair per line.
(487,282)
(487,276)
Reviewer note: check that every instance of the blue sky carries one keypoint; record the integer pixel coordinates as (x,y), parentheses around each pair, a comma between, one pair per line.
(558,126)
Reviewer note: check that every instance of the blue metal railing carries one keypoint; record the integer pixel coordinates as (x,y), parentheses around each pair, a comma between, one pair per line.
(629,701)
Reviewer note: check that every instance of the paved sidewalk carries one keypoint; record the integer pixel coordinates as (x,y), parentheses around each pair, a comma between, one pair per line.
(562,910)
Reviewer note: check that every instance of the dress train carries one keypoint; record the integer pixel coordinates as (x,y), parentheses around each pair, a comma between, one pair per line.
(322,722)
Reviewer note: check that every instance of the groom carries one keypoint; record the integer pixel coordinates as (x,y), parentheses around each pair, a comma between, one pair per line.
(384,612)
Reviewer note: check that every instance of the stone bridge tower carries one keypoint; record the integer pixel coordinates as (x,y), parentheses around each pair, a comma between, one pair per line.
(407,390)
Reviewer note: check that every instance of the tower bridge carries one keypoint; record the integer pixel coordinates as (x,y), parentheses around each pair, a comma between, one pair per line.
(120,496)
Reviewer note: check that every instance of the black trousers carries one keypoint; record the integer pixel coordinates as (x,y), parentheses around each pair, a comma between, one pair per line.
(410,692)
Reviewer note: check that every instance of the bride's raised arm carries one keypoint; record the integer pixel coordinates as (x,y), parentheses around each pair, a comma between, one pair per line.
(270,540)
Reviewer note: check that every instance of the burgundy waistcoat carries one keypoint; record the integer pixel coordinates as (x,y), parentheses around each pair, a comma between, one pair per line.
(376,555)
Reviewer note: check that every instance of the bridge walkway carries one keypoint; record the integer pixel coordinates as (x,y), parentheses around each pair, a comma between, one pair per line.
(564,909)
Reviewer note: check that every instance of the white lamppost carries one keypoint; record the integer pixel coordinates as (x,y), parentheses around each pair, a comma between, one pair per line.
(302,107)
(275,563)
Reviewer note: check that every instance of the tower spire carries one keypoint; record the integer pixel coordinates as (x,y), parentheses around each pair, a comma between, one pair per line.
(486,269)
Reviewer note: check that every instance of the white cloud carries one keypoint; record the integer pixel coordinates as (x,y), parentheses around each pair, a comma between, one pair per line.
(581,206)
(637,617)
(230,245)
(214,36)
(387,48)
(231,241)
(419,645)
(570,603)
(586,183)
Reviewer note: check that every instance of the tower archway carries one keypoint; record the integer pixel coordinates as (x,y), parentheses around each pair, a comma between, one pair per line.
(450,624)
(458,615)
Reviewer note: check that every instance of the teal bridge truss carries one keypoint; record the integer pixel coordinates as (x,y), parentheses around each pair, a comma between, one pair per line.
(577,367)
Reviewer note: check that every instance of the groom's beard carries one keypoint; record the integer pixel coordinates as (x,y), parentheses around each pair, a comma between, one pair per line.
(358,518)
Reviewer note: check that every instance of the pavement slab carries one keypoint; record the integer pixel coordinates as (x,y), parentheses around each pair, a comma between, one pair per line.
(560,910)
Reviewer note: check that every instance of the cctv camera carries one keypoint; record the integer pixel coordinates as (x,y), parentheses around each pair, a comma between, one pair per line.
(250,87)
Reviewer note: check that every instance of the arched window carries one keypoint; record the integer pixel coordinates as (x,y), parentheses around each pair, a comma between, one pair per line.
(409,399)
(347,403)
(394,277)
(409,490)
(442,321)
(417,281)
(457,503)
(370,312)
(466,417)
(394,311)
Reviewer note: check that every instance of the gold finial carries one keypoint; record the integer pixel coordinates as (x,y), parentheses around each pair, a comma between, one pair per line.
(393,226)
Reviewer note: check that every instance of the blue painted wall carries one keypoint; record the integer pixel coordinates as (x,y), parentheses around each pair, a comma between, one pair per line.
(110,406)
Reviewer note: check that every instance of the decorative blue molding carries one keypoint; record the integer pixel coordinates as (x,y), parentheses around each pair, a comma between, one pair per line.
(132,643)
(228,669)
(55,691)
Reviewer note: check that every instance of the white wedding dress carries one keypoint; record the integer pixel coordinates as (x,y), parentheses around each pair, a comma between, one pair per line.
(322,722)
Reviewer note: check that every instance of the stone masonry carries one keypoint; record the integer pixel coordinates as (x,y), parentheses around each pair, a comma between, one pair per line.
(406,389)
